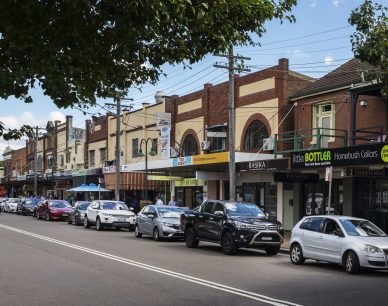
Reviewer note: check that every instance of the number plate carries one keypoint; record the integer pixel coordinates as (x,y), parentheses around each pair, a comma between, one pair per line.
(121,220)
(266,238)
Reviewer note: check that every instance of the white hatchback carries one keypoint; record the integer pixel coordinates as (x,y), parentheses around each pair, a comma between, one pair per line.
(352,242)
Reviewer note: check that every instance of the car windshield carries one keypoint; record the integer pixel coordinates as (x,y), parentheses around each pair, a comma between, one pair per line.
(83,206)
(237,209)
(31,202)
(253,207)
(114,205)
(170,212)
(59,204)
(359,227)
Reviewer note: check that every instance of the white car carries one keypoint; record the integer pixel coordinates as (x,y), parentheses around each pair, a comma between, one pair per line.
(107,213)
(11,205)
(352,242)
(2,204)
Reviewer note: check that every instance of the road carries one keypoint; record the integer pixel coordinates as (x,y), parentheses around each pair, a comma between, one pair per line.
(53,263)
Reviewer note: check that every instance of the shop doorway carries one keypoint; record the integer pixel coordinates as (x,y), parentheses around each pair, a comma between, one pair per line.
(190,197)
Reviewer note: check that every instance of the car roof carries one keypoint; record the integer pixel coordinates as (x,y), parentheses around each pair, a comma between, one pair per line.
(335,217)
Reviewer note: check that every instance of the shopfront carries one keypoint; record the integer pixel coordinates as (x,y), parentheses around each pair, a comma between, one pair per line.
(359,185)
(189,192)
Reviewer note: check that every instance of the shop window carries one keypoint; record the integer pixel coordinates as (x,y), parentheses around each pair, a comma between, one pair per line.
(255,135)
(102,156)
(189,146)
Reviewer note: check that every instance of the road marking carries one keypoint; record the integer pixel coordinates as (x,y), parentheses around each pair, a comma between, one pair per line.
(199,281)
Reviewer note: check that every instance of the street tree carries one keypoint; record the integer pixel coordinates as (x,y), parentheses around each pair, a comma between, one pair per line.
(80,50)
(370,41)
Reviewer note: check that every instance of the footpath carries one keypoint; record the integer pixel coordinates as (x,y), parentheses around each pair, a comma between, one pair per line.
(285,248)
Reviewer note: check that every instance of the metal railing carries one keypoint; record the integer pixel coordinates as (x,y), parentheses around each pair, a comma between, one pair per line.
(309,139)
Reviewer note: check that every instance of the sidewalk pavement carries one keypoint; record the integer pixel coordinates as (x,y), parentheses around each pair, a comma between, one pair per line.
(285,248)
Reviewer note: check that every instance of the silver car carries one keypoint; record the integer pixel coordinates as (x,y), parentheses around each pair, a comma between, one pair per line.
(159,222)
(352,242)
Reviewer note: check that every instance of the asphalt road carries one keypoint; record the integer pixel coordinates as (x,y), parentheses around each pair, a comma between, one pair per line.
(53,263)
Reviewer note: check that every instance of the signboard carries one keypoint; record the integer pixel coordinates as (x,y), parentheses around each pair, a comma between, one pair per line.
(213,158)
(165,142)
(341,157)
(162,120)
(189,182)
(76,134)
(296,177)
(263,165)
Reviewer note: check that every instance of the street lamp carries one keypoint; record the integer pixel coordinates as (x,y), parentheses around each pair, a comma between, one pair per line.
(152,153)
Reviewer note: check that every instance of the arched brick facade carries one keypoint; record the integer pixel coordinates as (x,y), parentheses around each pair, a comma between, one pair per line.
(192,133)
(254,117)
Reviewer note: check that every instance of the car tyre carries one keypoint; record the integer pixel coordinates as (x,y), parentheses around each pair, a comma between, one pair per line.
(76,221)
(352,264)
(86,222)
(48,216)
(137,232)
(228,245)
(69,220)
(272,250)
(99,226)
(156,234)
(190,239)
(296,254)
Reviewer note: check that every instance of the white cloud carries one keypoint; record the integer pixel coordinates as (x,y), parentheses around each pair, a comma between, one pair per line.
(54,116)
(337,2)
(298,54)
(328,59)
(313,4)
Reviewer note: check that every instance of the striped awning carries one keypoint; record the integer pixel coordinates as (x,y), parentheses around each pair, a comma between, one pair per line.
(131,181)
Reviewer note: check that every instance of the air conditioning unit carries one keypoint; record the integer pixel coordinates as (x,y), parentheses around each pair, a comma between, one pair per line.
(268,144)
(205,145)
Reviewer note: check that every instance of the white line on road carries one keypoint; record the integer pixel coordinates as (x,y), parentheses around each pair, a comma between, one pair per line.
(199,281)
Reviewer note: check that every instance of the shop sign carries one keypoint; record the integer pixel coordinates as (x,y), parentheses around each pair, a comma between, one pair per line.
(340,157)
(189,182)
(369,173)
(263,165)
(296,177)
(80,172)
(182,161)
(213,158)
(109,169)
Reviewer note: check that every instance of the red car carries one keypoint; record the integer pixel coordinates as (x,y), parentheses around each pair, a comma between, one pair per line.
(53,210)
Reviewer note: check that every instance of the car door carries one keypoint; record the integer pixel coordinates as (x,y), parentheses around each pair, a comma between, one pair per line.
(310,233)
(149,221)
(216,220)
(141,219)
(331,240)
(205,217)
(93,211)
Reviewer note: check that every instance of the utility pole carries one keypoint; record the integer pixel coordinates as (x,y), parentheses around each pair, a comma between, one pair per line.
(118,107)
(36,162)
(231,117)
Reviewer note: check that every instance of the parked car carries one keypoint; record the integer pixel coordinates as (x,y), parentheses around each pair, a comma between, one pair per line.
(352,242)
(107,213)
(28,205)
(77,213)
(34,212)
(2,204)
(159,222)
(11,205)
(233,225)
(53,210)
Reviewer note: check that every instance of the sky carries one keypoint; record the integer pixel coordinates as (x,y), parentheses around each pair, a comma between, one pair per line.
(317,43)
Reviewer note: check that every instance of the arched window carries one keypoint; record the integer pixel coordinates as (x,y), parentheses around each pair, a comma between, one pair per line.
(189,146)
(255,134)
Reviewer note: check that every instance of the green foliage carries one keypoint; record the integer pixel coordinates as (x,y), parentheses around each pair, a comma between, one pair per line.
(78,50)
(370,42)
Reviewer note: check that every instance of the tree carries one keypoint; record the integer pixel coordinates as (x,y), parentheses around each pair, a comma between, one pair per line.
(78,50)
(370,42)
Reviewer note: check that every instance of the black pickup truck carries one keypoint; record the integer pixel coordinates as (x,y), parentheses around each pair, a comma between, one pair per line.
(232,224)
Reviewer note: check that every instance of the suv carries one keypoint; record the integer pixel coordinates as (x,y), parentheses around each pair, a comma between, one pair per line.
(107,213)
(232,224)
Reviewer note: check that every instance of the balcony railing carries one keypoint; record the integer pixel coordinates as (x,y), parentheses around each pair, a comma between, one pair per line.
(370,135)
(309,139)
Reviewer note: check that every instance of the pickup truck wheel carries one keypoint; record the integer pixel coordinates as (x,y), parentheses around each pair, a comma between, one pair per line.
(69,220)
(190,239)
(86,222)
(272,250)
(156,234)
(137,232)
(228,245)
(99,226)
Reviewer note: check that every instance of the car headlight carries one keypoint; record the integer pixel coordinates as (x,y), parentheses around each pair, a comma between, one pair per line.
(242,224)
(167,224)
(105,214)
(372,250)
